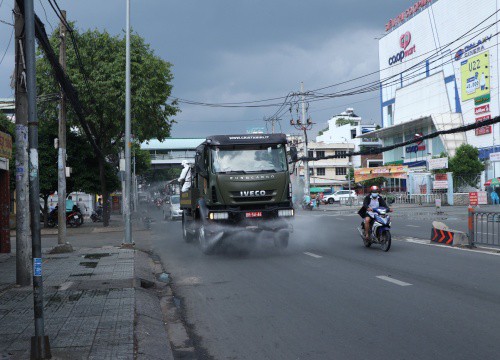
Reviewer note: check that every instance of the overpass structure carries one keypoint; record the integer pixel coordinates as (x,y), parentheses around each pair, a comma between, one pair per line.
(171,152)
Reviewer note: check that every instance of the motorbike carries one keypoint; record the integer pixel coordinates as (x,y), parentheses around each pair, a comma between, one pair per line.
(308,204)
(96,215)
(74,218)
(380,230)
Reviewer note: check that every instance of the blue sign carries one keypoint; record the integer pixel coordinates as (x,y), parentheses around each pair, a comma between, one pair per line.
(37,266)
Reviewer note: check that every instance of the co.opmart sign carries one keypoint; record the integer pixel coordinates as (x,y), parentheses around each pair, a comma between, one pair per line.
(404,43)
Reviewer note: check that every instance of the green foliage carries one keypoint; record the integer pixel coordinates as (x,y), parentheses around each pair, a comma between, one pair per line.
(152,176)
(344,121)
(7,126)
(466,164)
(103,98)
(466,161)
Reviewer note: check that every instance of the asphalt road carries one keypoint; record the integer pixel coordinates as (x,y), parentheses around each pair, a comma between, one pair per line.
(328,297)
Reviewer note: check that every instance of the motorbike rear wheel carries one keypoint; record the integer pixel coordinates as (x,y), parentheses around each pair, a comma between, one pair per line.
(385,241)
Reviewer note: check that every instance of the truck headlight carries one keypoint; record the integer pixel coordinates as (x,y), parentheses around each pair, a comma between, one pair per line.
(218,216)
(283,213)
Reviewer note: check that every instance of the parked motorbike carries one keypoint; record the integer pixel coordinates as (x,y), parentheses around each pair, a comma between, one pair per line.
(380,230)
(308,203)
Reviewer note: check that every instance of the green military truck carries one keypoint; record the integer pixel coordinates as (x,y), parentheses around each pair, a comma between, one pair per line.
(240,186)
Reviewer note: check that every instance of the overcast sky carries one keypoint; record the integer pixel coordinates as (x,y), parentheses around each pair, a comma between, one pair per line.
(240,50)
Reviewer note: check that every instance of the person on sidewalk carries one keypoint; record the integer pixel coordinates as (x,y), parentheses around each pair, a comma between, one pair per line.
(494,198)
(185,177)
(371,201)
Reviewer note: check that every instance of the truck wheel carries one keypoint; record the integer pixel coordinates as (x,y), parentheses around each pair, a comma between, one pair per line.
(331,201)
(186,235)
(281,240)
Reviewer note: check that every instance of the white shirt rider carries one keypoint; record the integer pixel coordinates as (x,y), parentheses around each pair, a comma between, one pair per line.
(186,176)
(374,203)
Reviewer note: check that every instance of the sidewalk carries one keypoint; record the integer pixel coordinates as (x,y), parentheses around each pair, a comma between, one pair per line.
(95,307)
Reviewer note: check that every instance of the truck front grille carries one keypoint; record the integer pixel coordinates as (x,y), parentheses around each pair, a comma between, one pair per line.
(253,196)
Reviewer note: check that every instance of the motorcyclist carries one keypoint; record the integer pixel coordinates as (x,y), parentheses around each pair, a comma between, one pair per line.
(371,201)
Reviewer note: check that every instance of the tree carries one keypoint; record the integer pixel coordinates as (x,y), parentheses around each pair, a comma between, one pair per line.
(466,165)
(101,84)
(344,121)
(321,132)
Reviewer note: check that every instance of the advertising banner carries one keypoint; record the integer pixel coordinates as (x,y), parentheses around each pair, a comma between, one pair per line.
(475,73)
(495,157)
(439,184)
(484,129)
(436,164)
(5,145)
(393,172)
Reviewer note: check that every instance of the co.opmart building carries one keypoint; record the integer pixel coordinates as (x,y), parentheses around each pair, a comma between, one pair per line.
(439,65)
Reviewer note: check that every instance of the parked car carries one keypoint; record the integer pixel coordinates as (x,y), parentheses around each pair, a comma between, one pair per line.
(171,208)
(336,196)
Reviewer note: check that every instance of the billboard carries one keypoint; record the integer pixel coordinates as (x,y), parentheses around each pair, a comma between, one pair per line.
(394,172)
(475,74)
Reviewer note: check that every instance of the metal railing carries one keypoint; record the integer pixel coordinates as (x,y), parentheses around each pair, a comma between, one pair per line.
(416,198)
(484,227)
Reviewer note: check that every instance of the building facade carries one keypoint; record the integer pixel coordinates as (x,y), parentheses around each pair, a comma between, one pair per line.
(345,128)
(439,64)
(328,172)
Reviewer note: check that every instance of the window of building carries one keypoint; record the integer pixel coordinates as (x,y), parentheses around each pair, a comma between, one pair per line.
(310,153)
(320,154)
(389,115)
(342,153)
(340,171)
(320,171)
(353,133)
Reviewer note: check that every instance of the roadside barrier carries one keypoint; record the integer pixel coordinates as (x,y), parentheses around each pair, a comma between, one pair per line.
(416,198)
(484,227)
(443,237)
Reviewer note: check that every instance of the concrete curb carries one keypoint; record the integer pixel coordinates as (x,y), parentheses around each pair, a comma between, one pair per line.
(150,333)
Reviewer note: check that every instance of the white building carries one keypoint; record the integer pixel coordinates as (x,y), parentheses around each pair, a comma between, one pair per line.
(328,172)
(439,64)
(345,128)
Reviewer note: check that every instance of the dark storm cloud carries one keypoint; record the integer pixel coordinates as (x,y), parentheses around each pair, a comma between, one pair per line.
(225,50)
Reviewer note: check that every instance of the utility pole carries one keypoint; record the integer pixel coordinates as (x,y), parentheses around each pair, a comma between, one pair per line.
(304,125)
(61,156)
(126,195)
(304,120)
(23,272)
(40,348)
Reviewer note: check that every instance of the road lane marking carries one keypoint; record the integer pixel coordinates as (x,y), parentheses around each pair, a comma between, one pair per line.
(415,226)
(313,255)
(394,281)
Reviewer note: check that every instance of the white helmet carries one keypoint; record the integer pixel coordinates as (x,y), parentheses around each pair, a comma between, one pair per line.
(184,163)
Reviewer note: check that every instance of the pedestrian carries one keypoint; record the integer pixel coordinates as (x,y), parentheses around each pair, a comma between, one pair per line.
(494,197)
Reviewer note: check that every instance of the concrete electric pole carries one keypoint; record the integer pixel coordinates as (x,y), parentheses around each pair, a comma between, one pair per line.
(128,144)
(61,155)
(23,263)
(40,343)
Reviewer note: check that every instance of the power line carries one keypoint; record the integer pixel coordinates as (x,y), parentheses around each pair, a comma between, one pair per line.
(380,150)
(8,45)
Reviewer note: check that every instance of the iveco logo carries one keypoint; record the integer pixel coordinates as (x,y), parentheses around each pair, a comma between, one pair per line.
(253,193)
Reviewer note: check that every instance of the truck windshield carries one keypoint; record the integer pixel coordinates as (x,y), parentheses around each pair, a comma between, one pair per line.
(270,159)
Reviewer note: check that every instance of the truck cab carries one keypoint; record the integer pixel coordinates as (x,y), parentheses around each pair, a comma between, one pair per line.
(239,183)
